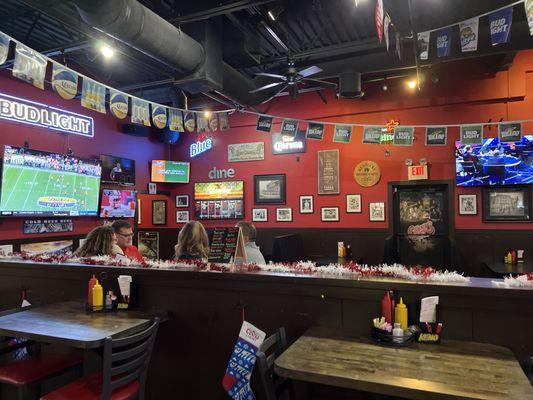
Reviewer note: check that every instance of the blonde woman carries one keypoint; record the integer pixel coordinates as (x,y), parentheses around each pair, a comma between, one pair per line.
(101,241)
(193,243)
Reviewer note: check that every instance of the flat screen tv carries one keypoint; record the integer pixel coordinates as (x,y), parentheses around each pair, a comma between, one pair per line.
(118,170)
(118,203)
(219,200)
(494,162)
(170,171)
(38,183)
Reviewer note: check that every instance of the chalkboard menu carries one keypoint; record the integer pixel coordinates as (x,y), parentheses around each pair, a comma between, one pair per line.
(226,246)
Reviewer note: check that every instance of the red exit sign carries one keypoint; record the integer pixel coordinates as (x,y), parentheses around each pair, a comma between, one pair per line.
(417,172)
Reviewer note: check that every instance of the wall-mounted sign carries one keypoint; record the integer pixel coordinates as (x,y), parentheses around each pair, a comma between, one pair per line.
(510,132)
(315,131)
(201,147)
(328,172)
(342,134)
(417,172)
(282,144)
(30,112)
(436,135)
(289,128)
(47,226)
(215,173)
(372,134)
(264,123)
(404,136)
(246,151)
(367,173)
(472,134)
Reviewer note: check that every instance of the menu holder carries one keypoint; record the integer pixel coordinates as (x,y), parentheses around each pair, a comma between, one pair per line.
(227,246)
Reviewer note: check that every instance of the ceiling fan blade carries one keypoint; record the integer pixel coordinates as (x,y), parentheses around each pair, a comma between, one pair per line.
(275,94)
(270,85)
(271,75)
(310,71)
(326,83)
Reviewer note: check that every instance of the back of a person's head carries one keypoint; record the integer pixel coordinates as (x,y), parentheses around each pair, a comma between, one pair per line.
(120,224)
(193,240)
(99,242)
(248,230)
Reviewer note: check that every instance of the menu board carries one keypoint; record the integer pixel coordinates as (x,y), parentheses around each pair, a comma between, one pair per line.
(328,172)
(227,246)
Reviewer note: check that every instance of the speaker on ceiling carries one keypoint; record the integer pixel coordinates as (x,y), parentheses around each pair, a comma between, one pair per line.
(350,85)
(135,130)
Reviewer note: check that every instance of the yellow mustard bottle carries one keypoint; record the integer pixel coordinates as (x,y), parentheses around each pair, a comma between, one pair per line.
(98,297)
(400,314)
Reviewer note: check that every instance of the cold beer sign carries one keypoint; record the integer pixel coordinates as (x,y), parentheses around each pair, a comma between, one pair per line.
(417,172)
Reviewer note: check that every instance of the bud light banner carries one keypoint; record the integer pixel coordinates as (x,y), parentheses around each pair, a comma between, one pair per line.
(468,32)
(64,81)
(93,95)
(342,134)
(118,104)
(4,48)
(423,45)
(436,135)
(175,120)
(500,25)
(289,128)
(444,43)
(528,4)
(159,116)
(403,136)
(264,123)
(140,111)
(315,131)
(29,66)
(510,132)
(472,134)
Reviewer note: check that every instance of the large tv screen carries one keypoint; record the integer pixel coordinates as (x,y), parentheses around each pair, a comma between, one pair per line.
(118,170)
(170,171)
(494,162)
(118,203)
(219,200)
(38,183)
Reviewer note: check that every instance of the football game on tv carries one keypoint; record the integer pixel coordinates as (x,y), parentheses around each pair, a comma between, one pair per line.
(48,184)
(219,200)
(118,203)
(494,162)
(118,170)
(170,171)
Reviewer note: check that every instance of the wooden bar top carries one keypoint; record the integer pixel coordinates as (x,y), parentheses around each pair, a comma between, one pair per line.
(451,370)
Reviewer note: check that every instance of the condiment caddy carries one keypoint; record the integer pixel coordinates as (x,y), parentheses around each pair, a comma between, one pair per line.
(97,302)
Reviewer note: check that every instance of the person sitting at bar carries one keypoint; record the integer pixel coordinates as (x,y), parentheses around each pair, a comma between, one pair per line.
(124,235)
(252,250)
(193,243)
(101,241)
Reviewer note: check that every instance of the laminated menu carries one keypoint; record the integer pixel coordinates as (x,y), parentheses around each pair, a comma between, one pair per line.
(227,246)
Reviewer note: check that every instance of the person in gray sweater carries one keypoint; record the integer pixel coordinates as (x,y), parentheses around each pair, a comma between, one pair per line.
(253,253)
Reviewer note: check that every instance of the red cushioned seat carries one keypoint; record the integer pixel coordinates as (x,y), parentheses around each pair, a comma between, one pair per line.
(90,388)
(34,369)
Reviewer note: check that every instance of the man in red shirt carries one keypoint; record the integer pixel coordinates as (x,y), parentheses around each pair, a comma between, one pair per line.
(124,235)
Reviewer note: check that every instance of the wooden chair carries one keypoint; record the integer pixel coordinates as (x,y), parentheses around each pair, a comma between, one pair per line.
(274,386)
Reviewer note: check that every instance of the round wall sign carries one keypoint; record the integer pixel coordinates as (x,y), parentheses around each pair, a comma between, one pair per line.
(367,173)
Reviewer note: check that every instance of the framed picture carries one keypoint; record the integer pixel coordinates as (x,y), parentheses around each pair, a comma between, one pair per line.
(467,204)
(329,214)
(182,217)
(306,205)
(284,214)
(159,212)
(506,204)
(259,215)
(353,203)
(182,200)
(376,211)
(269,189)
(148,244)
(152,188)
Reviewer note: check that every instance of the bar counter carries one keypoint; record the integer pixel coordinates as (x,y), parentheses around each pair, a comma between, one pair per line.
(206,308)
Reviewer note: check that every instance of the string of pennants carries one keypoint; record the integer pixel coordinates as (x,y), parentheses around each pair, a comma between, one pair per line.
(31,66)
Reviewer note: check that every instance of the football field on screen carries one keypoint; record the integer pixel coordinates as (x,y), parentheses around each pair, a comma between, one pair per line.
(22,187)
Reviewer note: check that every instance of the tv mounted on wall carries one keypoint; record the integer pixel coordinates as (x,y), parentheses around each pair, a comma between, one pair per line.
(170,171)
(219,200)
(118,203)
(118,170)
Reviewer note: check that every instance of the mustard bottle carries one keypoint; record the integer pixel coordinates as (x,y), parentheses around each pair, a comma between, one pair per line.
(98,297)
(400,314)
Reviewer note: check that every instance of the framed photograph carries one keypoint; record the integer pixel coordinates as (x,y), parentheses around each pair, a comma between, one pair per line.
(329,214)
(506,204)
(159,212)
(283,214)
(269,189)
(376,211)
(152,188)
(307,205)
(182,217)
(148,244)
(467,204)
(182,200)
(259,215)
(353,203)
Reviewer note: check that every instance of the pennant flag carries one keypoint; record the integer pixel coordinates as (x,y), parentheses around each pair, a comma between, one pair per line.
(175,120)
(378,18)
(202,124)
(372,134)
(444,43)
(118,104)
(386,24)
(213,122)
(436,135)
(159,115)
(289,128)
(528,4)
(140,111)
(189,121)
(472,134)
(315,131)
(423,45)
(342,134)
(264,123)
(510,131)
(398,45)
(4,47)
(403,136)
(468,32)
(64,81)
(223,121)
(500,25)
(93,95)
(30,66)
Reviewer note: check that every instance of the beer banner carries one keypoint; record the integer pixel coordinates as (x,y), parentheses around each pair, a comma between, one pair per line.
(468,32)
(386,23)
(528,4)
(436,135)
(444,43)
(64,81)
(472,134)
(315,131)
(30,66)
(398,45)
(175,120)
(4,47)
(500,25)
(93,95)
(140,111)
(378,19)
(423,45)
(343,134)
(264,123)
(289,128)
(202,124)
(189,121)
(223,121)
(213,122)
(372,134)
(118,104)
(159,115)
(510,132)
(403,136)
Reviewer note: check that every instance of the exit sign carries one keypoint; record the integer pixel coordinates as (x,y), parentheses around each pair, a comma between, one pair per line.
(417,172)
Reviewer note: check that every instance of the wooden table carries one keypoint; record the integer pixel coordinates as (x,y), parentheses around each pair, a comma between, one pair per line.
(69,324)
(451,370)
(502,269)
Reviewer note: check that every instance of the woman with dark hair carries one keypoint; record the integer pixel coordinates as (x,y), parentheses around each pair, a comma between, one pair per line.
(101,241)
(193,243)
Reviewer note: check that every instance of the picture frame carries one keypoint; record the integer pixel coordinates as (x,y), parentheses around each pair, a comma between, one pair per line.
(307,204)
(467,204)
(329,214)
(152,188)
(376,211)
(259,215)
(353,204)
(182,200)
(159,212)
(284,214)
(182,217)
(270,189)
(506,203)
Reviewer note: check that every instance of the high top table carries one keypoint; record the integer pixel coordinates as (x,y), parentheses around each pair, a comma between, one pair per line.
(450,370)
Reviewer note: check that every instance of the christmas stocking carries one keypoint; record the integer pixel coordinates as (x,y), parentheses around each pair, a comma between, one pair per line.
(237,378)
